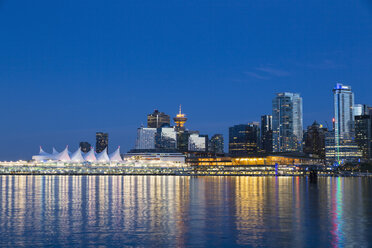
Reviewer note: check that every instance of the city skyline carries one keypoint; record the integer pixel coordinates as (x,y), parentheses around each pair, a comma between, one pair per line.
(66,76)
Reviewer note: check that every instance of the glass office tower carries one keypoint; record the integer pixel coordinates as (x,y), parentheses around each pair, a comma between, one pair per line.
(344,112)
(287,122)
(244,139)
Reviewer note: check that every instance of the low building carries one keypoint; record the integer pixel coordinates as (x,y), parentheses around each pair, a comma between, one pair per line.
(257,160)
(159,156)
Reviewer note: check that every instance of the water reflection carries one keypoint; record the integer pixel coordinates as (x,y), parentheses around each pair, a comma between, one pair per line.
(166,211)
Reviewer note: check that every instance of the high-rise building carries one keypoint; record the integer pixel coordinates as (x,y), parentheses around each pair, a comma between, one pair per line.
(314,140)
(85,146)
(266,133)
(145,138)
(158,120)
(343,106)
(244,139)
(287,122)
(363,134)
(343,143)
(182,140)
(101,141)
(216,144)
(166,138)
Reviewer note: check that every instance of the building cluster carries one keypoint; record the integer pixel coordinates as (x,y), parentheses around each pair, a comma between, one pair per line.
(348,140)
(161,137)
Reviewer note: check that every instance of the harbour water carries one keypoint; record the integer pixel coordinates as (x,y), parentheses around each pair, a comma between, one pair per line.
(177,211)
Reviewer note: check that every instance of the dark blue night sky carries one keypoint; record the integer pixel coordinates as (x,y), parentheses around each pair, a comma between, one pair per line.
(71,68)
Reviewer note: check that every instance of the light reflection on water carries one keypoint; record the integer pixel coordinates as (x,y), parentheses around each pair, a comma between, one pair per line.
(172,211)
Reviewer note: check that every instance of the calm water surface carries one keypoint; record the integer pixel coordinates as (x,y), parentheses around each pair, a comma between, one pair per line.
(167,211)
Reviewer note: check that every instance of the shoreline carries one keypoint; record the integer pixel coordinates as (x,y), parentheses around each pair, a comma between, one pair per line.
(187,174)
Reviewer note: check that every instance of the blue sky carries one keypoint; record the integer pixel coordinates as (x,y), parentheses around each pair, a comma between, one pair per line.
(71,68)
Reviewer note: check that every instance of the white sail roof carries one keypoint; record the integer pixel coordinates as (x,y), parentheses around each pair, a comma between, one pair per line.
(55,152)
(90,156)
(115,156)
(77,156)
(63,156)
(43,153)
(103,156)
(42,156)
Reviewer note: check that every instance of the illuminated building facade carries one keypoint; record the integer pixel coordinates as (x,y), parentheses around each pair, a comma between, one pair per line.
(314,140)
(266,133)
(256,160)
(85,146)
(363,134)
(341,151)
(287,122)
(101,141)
(158,120)
(216,144)
(244,139)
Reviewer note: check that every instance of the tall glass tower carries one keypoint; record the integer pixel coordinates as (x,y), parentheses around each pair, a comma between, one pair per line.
(344,117)
(287,122)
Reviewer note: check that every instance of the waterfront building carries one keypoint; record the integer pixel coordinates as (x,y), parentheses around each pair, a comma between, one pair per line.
(363,134)
(197,142)
(174,157)
(78,157)
(216,144)
(158,119)
(341,151)
(266,134)
(244,139)
(85,146)
(257,160)
(314,140)
(101,141)
(287,122)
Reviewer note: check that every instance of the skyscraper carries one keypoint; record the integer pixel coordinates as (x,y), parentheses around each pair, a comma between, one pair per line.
(244,139)
(101,141)
(216,144)
(343,106)
(85,147)
(342,147)
(158,119)
(287,122)
(266,133)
